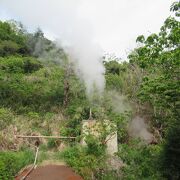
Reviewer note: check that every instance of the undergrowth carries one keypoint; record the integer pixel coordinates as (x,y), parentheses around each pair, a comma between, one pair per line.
(12,162)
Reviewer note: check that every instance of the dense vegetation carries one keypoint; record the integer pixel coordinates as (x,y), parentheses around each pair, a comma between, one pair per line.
(12,162)
(40,93)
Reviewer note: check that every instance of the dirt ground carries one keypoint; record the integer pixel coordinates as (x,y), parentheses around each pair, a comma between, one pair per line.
(51,172)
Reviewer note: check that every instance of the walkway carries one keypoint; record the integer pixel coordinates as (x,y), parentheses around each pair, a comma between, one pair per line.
(51,172)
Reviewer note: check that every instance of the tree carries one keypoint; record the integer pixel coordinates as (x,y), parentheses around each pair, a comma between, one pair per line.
(159,56)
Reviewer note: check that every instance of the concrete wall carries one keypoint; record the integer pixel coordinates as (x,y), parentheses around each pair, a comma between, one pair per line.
(93,127)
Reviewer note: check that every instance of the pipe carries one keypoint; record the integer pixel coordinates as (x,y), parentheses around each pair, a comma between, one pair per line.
(34,165)
(56,137)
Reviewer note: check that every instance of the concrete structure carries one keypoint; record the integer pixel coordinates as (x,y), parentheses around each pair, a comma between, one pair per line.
(96,127)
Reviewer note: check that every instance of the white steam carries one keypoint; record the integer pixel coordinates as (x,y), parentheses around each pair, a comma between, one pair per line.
(62,20)
(119,102)
(139,129)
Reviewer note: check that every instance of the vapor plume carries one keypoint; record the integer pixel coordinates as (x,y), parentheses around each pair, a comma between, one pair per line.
(139,129)
(63,21)
(119,102)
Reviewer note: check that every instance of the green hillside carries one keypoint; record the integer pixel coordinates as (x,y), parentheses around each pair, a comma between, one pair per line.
(41,94)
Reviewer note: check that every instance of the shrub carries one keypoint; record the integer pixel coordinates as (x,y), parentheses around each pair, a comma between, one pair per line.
(12,162)
(12,38)
(51,143)
(38,91)
(15,64)
(87,165)
(94,146)
(113,81)
(31,65)
(8,48)
(12,64)
(141,161)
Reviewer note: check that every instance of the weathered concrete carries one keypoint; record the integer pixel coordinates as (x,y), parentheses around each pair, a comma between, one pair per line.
(94,127)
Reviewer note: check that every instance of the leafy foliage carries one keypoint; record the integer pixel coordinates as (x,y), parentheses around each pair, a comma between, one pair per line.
(26,86)
(159,56)
(82,162)
(11,41)
(140,161)
(12,162)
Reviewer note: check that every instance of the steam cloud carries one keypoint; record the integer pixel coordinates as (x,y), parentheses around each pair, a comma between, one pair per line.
(139,129)
(119,102)
(62,20)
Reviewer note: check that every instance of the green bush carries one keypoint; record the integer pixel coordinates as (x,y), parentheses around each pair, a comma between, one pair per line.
(15,64)
(36,91)
(12,162)
(12,39)
(51,143)
(122,121)
(94,146)
(31,65)
(87,165)
(141,161)
(12,64)
(114,82)
(8,48)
